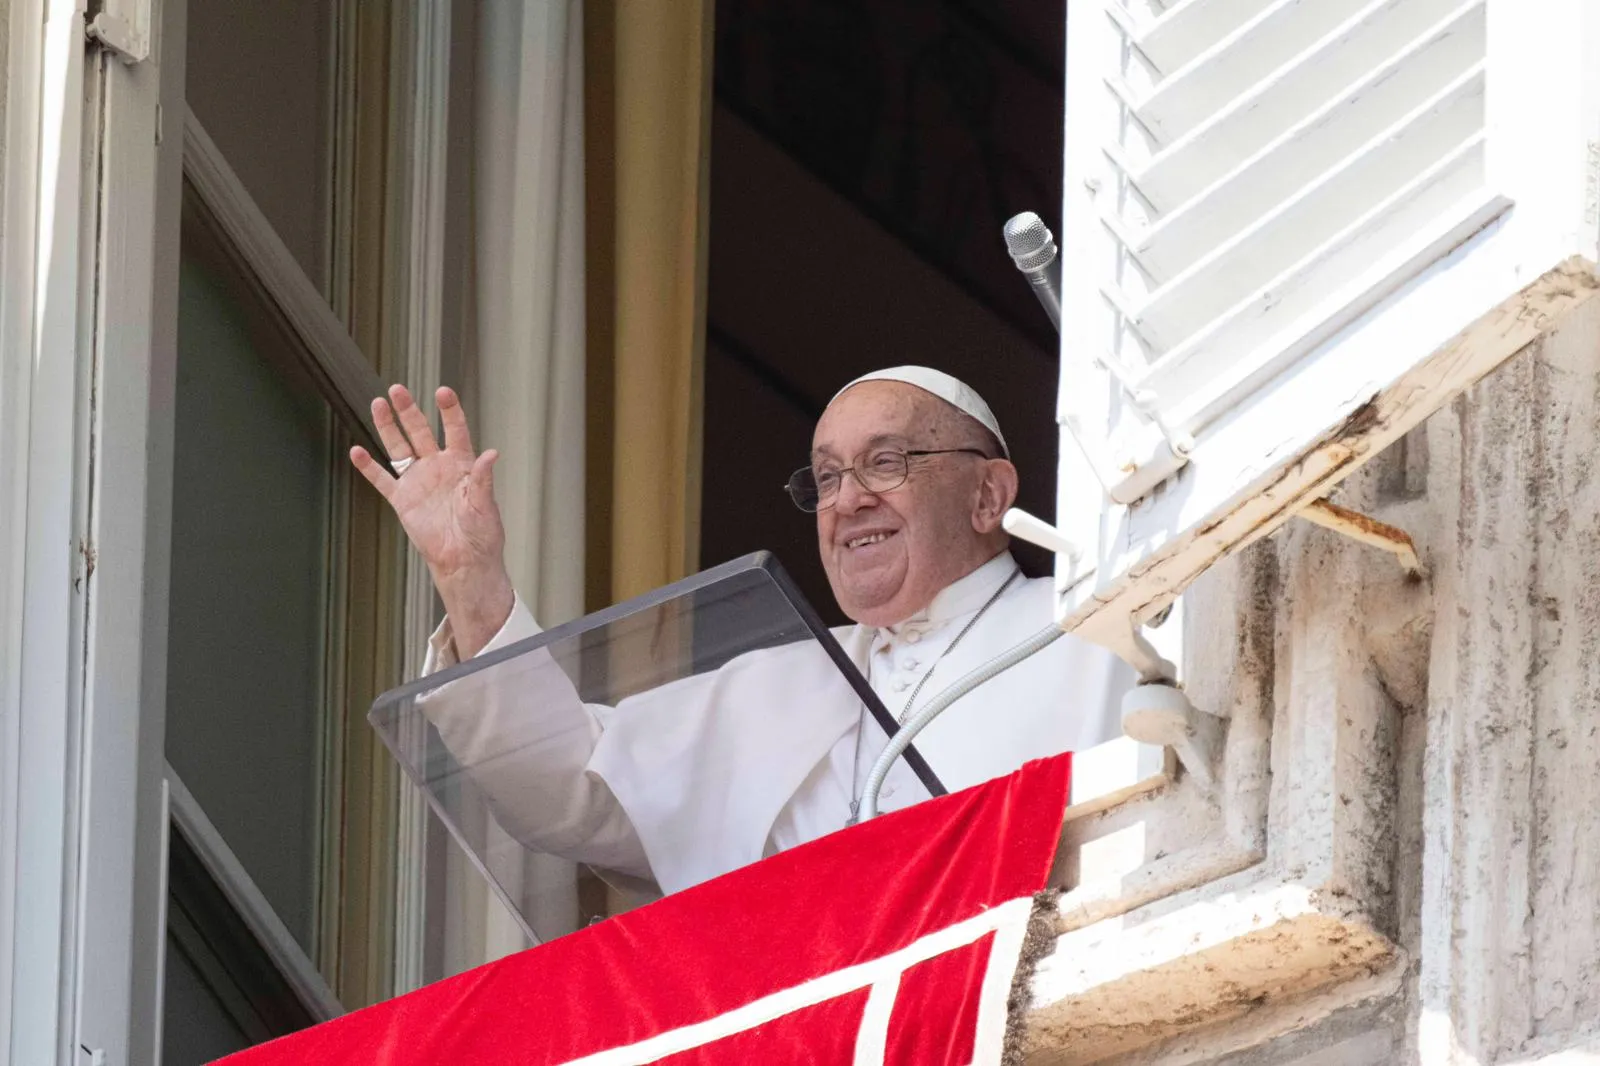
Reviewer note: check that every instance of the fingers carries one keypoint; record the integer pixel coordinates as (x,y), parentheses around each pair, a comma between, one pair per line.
(372,470)
(480,486)
(457,437)
(413,421)
(394,441)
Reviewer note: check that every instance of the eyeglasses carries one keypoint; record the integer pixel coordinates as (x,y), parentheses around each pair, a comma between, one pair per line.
(816,489)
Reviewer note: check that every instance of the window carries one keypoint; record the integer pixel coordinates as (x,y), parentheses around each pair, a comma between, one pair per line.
(253,545)
(287,594)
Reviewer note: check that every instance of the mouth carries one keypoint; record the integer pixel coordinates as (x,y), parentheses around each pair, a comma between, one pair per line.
(867,539)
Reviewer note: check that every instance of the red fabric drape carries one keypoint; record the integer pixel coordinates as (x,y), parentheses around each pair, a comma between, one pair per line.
(867,898)
(936,1009)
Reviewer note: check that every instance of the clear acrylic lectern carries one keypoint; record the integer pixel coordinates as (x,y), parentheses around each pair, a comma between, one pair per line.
(643,742)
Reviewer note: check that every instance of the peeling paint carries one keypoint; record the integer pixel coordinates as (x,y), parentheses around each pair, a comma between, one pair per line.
(1431,777)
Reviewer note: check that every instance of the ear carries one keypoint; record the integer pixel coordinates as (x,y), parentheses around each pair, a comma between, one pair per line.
(996,493)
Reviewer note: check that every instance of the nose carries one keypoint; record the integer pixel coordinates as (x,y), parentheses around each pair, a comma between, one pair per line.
(853,496)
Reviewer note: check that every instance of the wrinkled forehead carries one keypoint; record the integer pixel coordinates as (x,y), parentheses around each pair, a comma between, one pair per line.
(871,413)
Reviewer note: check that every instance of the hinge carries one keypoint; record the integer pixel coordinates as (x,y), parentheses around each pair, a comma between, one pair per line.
(120,37)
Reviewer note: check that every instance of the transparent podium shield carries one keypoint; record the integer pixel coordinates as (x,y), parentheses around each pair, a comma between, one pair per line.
(649,745)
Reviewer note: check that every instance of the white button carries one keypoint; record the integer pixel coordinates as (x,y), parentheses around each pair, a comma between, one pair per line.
(902,685)
(912,636)
(888,790)
(911,664)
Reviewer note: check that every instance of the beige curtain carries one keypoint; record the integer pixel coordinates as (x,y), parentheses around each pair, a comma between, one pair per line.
(530,291)
(649,123)
(589,295)
(529,323)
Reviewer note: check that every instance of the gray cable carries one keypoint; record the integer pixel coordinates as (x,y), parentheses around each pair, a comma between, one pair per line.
(937,706)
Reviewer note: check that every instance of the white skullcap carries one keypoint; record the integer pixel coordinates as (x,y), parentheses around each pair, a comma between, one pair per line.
(951,390)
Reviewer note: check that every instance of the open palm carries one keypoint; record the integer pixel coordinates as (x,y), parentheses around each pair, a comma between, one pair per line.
(444,498)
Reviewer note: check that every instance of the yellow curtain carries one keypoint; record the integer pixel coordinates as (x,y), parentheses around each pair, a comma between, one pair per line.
(648,96)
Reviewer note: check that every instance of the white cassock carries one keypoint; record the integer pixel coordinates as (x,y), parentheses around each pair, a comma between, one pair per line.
(704,775)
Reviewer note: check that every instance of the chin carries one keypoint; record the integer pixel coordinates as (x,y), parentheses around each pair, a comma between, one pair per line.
(875,597)
(872,610)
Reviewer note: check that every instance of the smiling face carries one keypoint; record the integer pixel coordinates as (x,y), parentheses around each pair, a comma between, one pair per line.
(888,554)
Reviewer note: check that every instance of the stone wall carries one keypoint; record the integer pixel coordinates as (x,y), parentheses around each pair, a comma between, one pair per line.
(1402,861)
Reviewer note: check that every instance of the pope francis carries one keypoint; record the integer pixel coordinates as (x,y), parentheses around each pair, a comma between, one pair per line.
(908,477)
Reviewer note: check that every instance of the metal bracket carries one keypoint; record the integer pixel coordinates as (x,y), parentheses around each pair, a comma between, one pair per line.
(120,37)
(1369,531)
(1156,711)
(1124,637)
(1159,713)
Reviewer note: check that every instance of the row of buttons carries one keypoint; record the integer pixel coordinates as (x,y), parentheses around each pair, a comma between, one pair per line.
(903,682)
(907,666)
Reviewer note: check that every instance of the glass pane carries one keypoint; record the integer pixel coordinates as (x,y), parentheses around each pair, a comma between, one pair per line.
(467,923)
(650,741)
(252,483)
(222,992)
(197,1028)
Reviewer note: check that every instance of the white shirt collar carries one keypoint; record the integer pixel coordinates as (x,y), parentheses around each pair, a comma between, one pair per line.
(961,597)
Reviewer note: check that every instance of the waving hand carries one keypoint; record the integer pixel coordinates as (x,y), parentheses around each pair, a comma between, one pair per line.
(444,498)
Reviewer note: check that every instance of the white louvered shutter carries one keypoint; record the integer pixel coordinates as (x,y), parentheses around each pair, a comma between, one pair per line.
(1291,229)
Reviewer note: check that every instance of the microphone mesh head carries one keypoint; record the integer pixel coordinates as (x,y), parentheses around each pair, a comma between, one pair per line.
(1029,241)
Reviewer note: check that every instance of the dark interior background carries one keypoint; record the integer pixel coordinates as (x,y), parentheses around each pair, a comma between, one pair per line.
(864,160)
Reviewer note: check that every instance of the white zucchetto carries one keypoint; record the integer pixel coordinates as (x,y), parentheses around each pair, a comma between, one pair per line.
(953,391)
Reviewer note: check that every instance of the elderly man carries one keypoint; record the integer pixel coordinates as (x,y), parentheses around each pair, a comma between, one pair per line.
(909,477)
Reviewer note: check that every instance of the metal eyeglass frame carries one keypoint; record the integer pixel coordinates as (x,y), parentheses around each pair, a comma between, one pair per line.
(798,492)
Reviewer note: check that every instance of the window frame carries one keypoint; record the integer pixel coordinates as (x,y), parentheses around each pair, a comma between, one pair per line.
(89,182)
(189,820)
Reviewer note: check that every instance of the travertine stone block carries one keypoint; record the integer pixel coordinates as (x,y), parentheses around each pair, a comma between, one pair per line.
(1403,865)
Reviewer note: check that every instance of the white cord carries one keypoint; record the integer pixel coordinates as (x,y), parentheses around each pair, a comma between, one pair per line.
(937,706)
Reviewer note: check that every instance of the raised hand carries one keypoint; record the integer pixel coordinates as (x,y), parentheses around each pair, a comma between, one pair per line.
(444,498)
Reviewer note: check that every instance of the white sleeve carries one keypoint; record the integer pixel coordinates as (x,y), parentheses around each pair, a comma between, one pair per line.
(519,625)
(525,738)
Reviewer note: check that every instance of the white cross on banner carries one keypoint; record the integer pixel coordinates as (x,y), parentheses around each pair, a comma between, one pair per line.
(895,942)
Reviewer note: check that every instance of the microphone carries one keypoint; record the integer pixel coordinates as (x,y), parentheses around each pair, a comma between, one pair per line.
(1033,249)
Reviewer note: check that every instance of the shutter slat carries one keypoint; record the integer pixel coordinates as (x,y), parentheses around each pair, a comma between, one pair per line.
(1257,250)
(1193,26)
(1291,229)
(1275,37)
(1292,304)
(1297,157)
(1418,40)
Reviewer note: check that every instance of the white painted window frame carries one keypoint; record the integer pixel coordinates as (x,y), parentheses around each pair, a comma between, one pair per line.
(291,960)
(88,298)
(84,611)
(348,382)
(38,314)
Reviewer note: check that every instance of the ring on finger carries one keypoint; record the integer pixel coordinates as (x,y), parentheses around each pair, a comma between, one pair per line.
(400,465)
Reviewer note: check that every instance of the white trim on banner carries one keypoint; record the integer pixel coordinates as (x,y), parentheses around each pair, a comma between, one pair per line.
(872,1042)
(1009,921)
